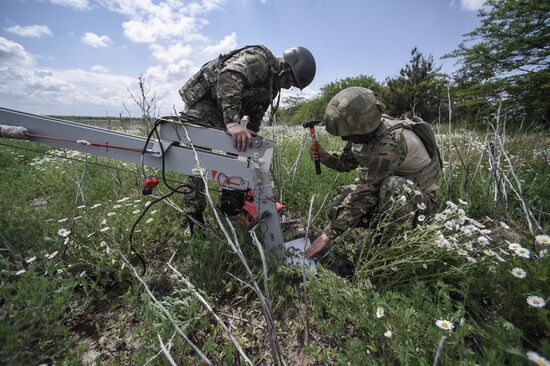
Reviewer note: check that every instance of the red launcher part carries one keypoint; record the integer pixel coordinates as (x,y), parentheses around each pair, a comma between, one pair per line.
(250,215)
(148,185)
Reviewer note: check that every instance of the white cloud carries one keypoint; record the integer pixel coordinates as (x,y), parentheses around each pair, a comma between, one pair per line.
(75,4)
(226,44)
(99,69)
(171,53)
(13,52)
(92,39)
(35,31)
(472,5)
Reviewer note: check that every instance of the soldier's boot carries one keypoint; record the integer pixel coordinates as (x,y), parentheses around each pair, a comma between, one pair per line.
(194,222)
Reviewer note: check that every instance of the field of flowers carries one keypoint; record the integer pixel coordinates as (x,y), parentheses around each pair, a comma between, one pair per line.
(467,286)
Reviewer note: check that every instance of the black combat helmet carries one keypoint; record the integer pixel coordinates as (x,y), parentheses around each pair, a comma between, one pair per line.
(302,64)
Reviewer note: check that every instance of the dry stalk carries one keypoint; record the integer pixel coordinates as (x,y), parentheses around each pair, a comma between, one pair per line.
(159,352)
(450,142)
(235,246)
(304,274)
(439,352)
(212,312)
(164,310)
(166,351)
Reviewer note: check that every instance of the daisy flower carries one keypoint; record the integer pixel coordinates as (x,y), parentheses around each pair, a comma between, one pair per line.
(63,232)
(445,325)
(518,273)
(542,240)
(421,218)
(380,312)
(523,252)
(537,359)
(514,246)
(536,301)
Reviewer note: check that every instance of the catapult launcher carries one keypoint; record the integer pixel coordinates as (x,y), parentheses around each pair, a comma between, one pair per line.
(177,149)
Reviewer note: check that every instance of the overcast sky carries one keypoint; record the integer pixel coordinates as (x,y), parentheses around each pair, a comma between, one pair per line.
(80,56)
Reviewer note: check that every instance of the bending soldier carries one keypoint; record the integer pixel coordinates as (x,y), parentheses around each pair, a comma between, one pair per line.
(242,83)
(400,161)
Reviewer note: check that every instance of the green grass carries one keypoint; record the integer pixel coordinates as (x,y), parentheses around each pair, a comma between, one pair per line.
(84,303)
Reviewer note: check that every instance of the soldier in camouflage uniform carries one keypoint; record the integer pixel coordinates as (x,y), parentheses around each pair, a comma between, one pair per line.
(399,160)
(241,83)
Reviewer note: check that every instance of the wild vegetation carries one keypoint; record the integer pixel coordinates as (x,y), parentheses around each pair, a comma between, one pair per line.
(469,285)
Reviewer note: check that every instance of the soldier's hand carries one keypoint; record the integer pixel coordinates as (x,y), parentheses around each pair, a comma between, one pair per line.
(317,153)
(242,136)
(318,244)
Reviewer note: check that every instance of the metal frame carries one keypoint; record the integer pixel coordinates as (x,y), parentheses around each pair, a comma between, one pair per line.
(218,159)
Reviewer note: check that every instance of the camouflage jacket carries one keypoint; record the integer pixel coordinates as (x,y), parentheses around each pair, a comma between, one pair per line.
(379,159)
(243,83)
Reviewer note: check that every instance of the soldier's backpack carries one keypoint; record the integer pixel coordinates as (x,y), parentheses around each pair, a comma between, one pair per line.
(202,82)
(428,176)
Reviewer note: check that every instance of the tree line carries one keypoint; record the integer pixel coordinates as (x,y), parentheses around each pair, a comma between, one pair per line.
(504,62)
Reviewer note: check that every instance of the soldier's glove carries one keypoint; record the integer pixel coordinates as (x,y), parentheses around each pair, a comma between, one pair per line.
(242,136)
(13,132)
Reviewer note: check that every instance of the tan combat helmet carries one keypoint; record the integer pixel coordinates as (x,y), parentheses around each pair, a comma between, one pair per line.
(353,111)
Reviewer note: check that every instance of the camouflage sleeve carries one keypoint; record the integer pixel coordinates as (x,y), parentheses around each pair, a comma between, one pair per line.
(255,121)
(343,162)
(246,69)
(382,161)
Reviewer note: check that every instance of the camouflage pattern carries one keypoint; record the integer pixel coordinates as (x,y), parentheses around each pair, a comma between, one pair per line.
(382,182)
(243,85)
(353,111)
(13,132)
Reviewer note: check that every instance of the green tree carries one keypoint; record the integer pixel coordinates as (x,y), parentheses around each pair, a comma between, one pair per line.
(298,110)
(418,89)
(508,57)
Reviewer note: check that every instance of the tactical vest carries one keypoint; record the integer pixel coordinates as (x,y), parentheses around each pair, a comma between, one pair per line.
(426,178)
(204,81)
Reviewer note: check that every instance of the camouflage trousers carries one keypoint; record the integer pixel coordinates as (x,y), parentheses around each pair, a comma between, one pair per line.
(204,112)
(397,198)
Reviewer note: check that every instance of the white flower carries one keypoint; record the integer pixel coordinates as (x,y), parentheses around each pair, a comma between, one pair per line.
(445,325)
(461,212)
(439,217)
(380,312)
(421,218)
(452,206)
(543,253)
(442,242)
(407,189)
(123,199)
(103,244)
(523,252)
(20,272)
(450,225)
(62,220)
(147,203)
(536,301)
(82,274)
(149,220)
(518,273)
(538,359)
(77,218)
(111,214)
(462,202)
(116,206)
(153,212)
(403,200)
(104,229)
(135,212)
(504,225)
(50,256)
(410,182)
(96,205)
(137,201)
(471,259)
(63,232)
(417,192)
(482,240)
(81,206)
(388,333)
(489,252)
(30,260)
(514,246)
(542,240)
(103,222)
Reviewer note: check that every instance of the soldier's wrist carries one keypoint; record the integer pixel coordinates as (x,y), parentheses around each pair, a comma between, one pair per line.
(232,124)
